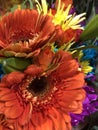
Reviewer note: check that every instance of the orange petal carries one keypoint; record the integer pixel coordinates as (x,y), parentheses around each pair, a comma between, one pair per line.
(59,121)
(8,97)
(1,127)
(47,125)
(11,103)
(45,58)
(69,101)
(31,126)
(4,91)
(74,82)
(67,120)
(33,70)
(1,106)
(25,117)
(2,86)
(14,77)
(14,112)
(38,118)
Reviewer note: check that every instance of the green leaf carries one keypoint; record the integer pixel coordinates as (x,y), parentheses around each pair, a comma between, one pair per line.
(14,8)
(14,64)
(23,5)
(91,30)
(8,69)
(31,4)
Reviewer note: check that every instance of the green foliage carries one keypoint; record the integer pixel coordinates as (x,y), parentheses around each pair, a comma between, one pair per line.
(91,30)
(14,8)
(14,64)
(23,5)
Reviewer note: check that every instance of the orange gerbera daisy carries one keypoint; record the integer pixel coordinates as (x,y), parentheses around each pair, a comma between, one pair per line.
(42,97)
(24,31)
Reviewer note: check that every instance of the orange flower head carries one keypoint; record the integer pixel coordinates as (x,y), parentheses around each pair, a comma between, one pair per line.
(24,31)
(42,96)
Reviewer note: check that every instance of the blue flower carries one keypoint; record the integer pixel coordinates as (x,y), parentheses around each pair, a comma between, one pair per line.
(1,72)
(89,54)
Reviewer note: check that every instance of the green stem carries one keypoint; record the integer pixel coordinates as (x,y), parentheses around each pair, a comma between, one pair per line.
(31,4)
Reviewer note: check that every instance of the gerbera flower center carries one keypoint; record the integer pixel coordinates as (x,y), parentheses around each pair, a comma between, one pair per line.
(38,85)
(38,91)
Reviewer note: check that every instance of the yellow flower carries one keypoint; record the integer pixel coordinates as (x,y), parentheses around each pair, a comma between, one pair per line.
(86,68)
(62,16)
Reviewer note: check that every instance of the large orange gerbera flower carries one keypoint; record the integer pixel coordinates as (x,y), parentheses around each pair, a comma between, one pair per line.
(24,31)
(42,97)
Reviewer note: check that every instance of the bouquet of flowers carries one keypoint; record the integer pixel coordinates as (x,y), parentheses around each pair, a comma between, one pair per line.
(46,67)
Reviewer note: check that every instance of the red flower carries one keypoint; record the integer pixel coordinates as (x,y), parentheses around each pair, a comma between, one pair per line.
(24,31)
(67,36)
(42,97)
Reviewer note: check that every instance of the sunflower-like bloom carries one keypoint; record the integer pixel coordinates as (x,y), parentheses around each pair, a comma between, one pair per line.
(41,97)
(24,31)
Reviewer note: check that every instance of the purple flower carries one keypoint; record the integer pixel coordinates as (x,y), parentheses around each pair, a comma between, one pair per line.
(90,105)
